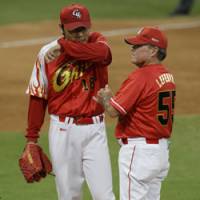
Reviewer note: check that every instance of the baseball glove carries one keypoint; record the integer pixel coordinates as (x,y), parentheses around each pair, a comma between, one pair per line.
(34,163)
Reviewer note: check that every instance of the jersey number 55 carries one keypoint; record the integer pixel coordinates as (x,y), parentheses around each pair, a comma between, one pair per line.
(166,101)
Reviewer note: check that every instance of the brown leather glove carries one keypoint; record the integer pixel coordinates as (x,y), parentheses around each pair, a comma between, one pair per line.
(34,163)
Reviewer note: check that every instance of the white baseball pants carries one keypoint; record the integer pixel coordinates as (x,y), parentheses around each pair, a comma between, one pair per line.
(142,168)
(78,153)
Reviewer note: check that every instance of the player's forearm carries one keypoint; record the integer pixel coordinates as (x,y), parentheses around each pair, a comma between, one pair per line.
(36,113)
(95,51)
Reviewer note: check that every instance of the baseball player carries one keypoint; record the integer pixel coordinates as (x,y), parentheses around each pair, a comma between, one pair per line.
(144,106)
(68,72)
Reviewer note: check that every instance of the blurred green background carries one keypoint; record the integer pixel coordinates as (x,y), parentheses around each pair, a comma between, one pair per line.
(12,11)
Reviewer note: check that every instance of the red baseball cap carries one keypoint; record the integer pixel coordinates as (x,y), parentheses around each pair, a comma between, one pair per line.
(149,35)
(75,16)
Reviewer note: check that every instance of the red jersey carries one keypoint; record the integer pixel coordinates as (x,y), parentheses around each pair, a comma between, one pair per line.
(70,82)
(146,103)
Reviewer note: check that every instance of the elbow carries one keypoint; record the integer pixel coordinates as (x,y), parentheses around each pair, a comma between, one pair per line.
(108,58)
(106,55)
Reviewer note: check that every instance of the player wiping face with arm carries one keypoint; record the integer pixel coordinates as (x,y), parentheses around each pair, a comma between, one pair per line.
(67,74)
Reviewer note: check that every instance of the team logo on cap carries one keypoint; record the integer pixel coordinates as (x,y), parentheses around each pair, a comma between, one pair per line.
(76,13)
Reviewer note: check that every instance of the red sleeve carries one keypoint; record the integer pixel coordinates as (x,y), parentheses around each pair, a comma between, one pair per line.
(132,88)
(96,50)
(36,113)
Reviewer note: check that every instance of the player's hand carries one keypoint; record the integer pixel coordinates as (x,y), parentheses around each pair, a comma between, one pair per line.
(98,98)
(52,53)
(103,95)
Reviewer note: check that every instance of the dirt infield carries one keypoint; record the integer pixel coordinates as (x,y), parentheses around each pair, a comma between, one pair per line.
(17,62)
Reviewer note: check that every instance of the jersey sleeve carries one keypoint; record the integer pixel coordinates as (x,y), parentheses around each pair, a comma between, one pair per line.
(128,95)
(36,113)
(38,81)
(96,50)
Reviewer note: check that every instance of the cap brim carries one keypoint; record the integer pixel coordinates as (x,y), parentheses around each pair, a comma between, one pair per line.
(135,41)
(72,26)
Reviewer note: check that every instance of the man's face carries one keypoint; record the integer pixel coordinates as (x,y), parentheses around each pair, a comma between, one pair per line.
(143,54)
(80,34)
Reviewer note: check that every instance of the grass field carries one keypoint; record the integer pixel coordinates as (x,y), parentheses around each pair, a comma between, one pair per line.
(23,10)
(182,183)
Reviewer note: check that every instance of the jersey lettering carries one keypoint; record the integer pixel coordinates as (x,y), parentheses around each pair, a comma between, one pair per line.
(66,74)
(164,78)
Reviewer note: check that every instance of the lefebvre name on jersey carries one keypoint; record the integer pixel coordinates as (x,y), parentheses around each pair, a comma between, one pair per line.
(164,78)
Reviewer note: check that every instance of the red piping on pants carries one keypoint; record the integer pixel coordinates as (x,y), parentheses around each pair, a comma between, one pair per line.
(129,178)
